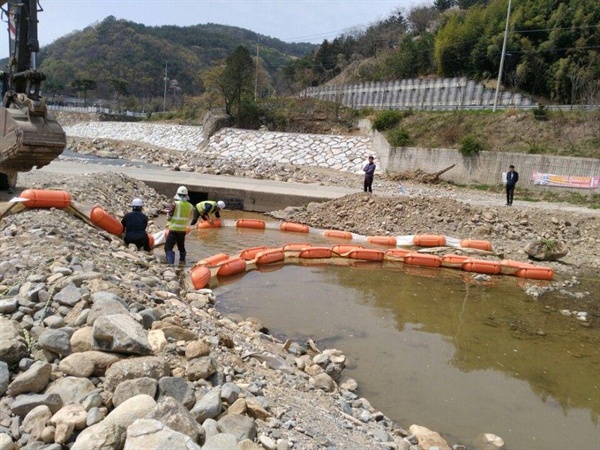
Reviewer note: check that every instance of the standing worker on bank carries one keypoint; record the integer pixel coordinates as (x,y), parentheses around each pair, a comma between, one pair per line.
(511,180)
(369,171)
(178,216)
(206,208)
(135,223)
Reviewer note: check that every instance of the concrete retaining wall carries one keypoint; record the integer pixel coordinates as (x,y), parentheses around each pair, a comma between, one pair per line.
(345,153)
(484,167)
(416,93)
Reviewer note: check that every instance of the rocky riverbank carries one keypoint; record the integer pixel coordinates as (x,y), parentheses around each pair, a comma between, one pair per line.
(103,347)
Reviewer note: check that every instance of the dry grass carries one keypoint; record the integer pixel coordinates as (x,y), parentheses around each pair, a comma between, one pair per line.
(563,133)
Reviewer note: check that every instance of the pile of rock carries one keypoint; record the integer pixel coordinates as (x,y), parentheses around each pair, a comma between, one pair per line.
(101,347)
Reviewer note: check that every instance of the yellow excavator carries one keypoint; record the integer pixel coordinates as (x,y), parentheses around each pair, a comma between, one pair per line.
(29,137)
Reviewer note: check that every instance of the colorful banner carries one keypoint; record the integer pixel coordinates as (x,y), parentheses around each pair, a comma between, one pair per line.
(548,179)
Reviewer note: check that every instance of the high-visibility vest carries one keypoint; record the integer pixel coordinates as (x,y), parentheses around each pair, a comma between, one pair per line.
(201,207)
(181,216)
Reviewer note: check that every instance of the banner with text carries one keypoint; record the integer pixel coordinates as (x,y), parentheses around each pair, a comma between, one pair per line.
(548,179)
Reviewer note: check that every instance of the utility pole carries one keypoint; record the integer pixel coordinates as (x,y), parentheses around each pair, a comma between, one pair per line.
(165,94)
(502,57)
(256,72)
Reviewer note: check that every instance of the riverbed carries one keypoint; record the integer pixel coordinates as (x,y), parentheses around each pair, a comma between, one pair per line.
(429,346)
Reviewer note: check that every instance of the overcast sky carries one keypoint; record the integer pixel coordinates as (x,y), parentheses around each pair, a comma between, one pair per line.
(288,20)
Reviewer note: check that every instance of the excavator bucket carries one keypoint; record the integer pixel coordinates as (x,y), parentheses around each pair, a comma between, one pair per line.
(27,141)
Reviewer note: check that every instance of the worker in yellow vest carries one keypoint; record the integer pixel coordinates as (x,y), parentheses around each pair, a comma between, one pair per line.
(179,215)
(206,208)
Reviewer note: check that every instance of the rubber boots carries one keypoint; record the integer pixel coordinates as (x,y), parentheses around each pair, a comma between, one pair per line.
(170,254)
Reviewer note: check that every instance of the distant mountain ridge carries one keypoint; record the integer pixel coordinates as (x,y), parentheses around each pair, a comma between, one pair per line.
(137,54)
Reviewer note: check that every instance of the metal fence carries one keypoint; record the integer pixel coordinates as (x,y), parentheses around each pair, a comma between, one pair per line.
(97,110)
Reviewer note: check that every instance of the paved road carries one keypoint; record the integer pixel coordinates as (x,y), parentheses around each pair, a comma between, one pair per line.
(258,195)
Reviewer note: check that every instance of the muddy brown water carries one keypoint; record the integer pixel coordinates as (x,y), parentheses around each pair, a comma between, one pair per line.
(429,346)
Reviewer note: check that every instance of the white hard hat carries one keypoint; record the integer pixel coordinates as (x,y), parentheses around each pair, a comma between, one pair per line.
(182,190)
(220,204)
(137,202)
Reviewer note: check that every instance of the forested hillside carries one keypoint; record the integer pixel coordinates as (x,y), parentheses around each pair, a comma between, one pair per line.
(118,58)
(552,52)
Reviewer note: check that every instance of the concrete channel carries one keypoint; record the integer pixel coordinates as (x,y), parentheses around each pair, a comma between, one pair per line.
(240,193)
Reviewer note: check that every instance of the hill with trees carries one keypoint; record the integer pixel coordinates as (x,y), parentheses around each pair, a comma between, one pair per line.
(123,60)
(552,53)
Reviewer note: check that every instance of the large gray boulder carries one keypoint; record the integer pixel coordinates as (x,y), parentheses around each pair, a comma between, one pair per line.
(213,121)
(56,341)
(131,388)
(176,416)
(149,433)
(546,249)
(12,345)
(110,433)
(130,369)
(35,379)
(242,427)
(105,304)
(71,389)
(120,333)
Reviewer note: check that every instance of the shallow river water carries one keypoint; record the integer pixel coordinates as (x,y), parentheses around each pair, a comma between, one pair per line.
(429,346)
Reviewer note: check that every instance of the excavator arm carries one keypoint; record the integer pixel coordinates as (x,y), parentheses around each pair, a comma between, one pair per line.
(29,136)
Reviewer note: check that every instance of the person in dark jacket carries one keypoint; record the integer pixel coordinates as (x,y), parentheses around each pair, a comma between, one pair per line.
(135,223)
(206,208)
(511,180)
(369,171)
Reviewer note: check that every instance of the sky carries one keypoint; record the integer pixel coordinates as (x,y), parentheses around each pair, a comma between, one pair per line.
(288,20)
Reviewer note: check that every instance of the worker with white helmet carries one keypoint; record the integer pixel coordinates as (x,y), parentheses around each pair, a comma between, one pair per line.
(206,208)
(135,223)
(178,216)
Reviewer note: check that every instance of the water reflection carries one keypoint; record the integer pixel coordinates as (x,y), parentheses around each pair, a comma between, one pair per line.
(428,347)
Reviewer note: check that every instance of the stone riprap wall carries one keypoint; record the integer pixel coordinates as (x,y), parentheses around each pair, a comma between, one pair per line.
(345,153)
(176,137)
(416,93)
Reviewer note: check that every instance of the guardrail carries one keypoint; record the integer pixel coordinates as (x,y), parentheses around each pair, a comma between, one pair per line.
(484,107)
(97,110)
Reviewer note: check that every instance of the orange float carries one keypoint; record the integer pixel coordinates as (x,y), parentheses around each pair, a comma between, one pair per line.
(104,220)
(512,264)
(250,253)
(231,267)
(536,273)
(366,254)
(429,240)
(397,253)
(150,240)
(423,260)
(453,260)
(270,256)
(200,277)
(294,227)
(476,244)
(295,247)
(41,198)
(382,240)
(250,223)
(206,224)
(315,252)
(213,260)
(482,266)
(337,234)
(345,248)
